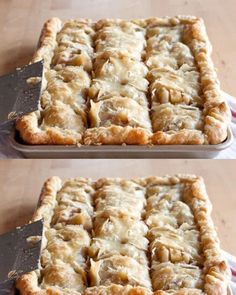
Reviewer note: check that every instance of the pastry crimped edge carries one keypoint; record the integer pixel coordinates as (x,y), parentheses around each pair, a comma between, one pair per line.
(216,111)
(216,270)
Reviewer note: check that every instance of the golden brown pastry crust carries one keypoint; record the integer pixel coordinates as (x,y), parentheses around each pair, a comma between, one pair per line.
(215,110)
(216,273)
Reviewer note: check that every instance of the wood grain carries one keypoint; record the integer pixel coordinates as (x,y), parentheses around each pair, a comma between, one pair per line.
(21,182)
(21,22)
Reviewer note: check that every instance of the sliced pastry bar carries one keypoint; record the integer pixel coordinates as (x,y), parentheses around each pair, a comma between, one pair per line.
(181,73)
(62,117)
(178,216)
(177,124)
(63,262)
(119,245)
(119,106)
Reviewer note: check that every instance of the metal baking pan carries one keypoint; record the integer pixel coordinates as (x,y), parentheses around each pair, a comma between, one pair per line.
(119,151)
(228,293)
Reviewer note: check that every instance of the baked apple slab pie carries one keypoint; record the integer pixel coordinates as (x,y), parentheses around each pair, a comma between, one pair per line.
(147,81)
(114,236)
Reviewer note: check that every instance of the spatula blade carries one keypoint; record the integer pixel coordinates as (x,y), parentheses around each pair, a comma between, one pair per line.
(20,251)
(20,91)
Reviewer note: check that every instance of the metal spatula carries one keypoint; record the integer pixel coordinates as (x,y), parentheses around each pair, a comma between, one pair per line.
(19,94)
(19,254)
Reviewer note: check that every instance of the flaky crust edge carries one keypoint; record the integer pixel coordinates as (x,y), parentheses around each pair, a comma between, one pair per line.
(216,270)
(116,135)
(216,110)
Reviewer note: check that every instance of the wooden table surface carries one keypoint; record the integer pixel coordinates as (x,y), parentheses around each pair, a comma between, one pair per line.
(21,182)
(21,22)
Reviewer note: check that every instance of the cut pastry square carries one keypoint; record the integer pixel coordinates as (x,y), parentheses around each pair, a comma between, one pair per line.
(75,45)
(176,87)
(173,214)
(158,32)
(156,192)
(118,120)
(61,120)
(57,124)
(169,276)
(104,89)
(120,36)
(120,270)
(66,84)
(119,198)
(121,111)
(77,211)
(77,214)
(179,124)
(183,255)
(120,68)
(122,229)
(79,187)
(63,276)
(166,51)
(67,243)
(102,248)
(120,205)
(175,245)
